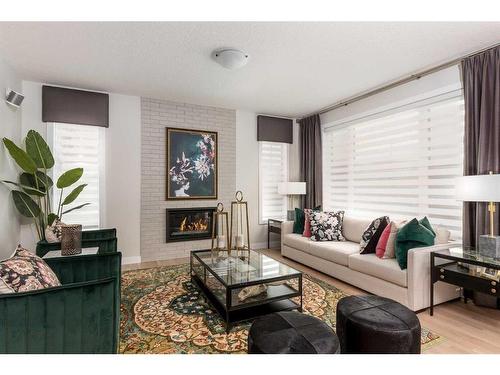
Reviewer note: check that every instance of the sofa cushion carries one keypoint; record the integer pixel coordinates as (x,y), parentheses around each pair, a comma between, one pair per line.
(382,242)
(300,218)
(296,241)
(353,228)
(337,252)
(412,235)
(385,269)
(327,226)
(372,234)
(24,271)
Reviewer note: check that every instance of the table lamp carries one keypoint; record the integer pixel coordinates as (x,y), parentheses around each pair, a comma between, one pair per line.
(291,189)
(483,188)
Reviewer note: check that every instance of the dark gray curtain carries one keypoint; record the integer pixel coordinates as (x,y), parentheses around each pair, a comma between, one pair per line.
(311,160)
(481,80)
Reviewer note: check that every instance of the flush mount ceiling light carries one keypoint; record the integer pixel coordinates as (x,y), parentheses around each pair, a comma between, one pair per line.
(231,58)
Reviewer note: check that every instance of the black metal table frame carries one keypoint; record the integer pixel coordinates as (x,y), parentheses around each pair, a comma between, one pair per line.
(467,281)
(272,229)
(248,310)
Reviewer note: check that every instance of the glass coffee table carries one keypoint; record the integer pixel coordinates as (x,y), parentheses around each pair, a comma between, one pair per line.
(247,285)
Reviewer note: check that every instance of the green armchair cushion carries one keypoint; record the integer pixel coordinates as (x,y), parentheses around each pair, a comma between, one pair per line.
(414,234)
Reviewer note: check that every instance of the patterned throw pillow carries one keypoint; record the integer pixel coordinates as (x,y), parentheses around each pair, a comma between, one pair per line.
(25,271)
(300,220)
(371,235)
(307,222)
(327,226)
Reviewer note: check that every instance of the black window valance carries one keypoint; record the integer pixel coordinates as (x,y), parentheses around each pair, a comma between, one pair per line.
(274,129)
(74,106)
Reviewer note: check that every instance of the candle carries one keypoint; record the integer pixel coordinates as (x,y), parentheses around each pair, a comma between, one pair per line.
(239,241)
(221,241)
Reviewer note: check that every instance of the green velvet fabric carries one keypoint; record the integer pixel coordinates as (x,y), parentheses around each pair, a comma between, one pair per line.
(426,223)
(298,224)
(412,235)
(104,239)
(300,219)
(81,316)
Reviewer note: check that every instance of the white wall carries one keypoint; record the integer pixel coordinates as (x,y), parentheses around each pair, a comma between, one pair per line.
(10,127)
(123,174)
(121,199)
(247,171)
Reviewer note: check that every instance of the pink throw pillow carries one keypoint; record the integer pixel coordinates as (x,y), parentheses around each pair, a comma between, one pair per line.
(307,223)
(382,242)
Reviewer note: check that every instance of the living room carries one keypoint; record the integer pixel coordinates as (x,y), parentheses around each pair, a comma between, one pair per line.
(249,187)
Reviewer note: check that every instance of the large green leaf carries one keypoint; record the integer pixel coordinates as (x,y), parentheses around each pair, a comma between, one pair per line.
(68,178)
(25,204)
(73,195)
(76,208)
(44,179)
(33,187)
(20,156)
(38,150)
(27,188)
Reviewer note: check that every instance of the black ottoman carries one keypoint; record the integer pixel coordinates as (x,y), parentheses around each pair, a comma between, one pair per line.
(290,332)
(372,324)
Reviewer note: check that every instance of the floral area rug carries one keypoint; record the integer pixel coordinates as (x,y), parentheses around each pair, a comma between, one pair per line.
(163,312)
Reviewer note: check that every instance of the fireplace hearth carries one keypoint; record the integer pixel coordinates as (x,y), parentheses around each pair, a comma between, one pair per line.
(189,224)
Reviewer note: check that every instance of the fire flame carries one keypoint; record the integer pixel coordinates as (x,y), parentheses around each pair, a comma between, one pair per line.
(198,225)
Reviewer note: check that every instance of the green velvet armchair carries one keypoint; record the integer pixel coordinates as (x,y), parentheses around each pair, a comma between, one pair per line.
(104,239)
(80,316)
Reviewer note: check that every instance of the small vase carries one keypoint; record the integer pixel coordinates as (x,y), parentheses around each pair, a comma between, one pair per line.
(71,239)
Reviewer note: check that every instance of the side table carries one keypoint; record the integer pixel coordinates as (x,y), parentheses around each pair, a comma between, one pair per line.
(467,268)
(273,226)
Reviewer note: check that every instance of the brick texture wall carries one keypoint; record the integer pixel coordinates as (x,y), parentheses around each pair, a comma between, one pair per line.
(156,116)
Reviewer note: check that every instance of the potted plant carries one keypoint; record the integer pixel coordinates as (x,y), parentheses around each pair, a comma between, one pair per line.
(32,197)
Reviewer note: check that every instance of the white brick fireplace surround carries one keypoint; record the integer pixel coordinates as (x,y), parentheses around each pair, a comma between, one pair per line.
(156,115)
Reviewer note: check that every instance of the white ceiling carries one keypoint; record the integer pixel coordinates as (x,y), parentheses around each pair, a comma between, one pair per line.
(294,68)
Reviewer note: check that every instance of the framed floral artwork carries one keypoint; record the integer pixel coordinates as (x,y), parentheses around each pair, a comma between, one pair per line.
(191,164)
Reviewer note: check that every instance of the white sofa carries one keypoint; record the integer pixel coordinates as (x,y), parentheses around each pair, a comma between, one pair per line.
(382,277)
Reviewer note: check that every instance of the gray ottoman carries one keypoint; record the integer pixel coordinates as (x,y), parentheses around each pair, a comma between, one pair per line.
(291,332)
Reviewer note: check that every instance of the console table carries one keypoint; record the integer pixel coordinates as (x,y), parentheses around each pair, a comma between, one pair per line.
(467,268)
(273,226)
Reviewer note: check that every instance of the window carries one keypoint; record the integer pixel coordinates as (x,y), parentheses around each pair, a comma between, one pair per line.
(400,163)
(273,169)
(80,146)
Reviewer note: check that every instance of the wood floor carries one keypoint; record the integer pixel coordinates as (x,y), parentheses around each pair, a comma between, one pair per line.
(465,328)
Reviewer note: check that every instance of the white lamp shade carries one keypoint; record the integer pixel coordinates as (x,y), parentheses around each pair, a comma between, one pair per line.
(292,188)
(482,188)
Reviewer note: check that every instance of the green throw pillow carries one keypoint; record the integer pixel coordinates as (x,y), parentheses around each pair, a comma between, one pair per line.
(412,235)
(425,222)
(298,224)
(300,219)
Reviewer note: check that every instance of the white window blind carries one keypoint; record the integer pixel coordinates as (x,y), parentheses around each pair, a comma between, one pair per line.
(273,169)
(77,146)
(401,163)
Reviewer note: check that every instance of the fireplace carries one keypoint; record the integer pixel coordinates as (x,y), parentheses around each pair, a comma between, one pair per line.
(189,224)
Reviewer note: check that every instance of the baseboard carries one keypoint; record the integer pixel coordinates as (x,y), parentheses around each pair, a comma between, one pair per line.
(131,260)
(263,245)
